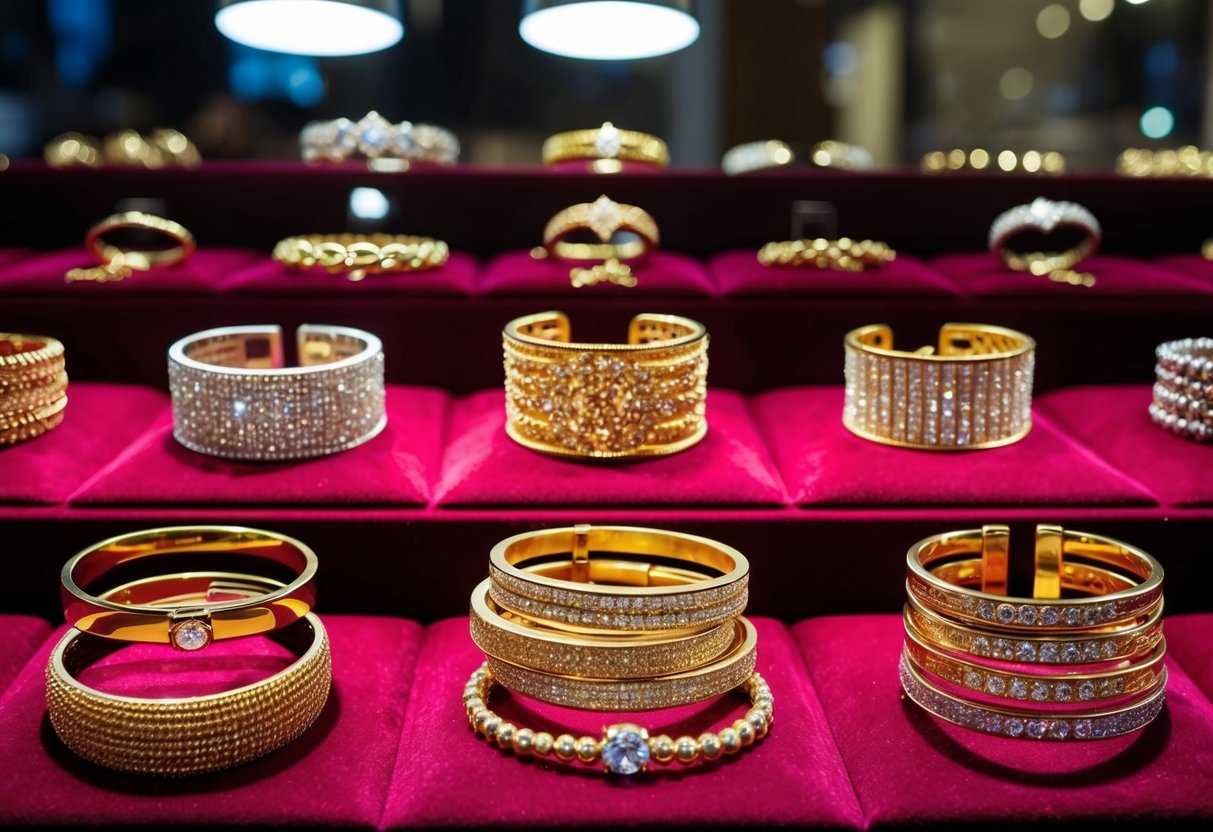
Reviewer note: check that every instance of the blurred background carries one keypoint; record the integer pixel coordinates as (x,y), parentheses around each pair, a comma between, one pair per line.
(899,77)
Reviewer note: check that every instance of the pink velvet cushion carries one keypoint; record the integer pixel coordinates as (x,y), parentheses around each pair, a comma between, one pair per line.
(1193,265)
(334,775)
(663,273)
(981,273)
(396,467)
(13,255)
(447,776)
(207,272)
(456,277)
(100,421)
(740,273)
(20,636)
(484,467)
(825,464)
(911,768)
(1190,645)
(1115,423)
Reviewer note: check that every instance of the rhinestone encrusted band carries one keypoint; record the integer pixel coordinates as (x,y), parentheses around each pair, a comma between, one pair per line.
(233,398)
(976,393)
(374,137)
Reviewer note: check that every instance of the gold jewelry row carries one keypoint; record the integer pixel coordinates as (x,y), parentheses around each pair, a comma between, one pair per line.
(360,255)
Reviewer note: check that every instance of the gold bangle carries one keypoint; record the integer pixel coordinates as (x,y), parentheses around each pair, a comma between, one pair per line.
(360,255)
(1034,725)
(513,638)
(606,144)
(191,609)
(975,392)
(33,386)
(1048,162)
(656,580)
(606,401)
(1044,612)
(845,254)
(191,735)
(625,748)
(118,262)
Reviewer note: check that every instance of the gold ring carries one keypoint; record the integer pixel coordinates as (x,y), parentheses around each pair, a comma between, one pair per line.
(608,145)
(118,262)
(360,255)
(626,236)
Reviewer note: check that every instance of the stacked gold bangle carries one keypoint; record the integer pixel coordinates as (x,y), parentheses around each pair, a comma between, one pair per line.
(1048,162)
(606,401)
(1183,388)
(1082,658)
(33,386)
(360,255)
(974,392)
(844,254)
(606,146)
(616,619)
(113,595)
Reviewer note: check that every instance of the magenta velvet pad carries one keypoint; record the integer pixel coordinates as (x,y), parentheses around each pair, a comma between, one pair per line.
(981,273)
(1189,644)
(458,276)
(740,273)
(484,467)
(20,636)
(100,421)
(394,468)
(1192,265)
(446,775)
(209,271)
(911,768)
(663,273)
(825,464)
(1115,423)
(336,774)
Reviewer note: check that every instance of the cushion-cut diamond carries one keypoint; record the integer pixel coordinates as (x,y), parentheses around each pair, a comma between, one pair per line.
(374,134)
(604,217)
(626,749)
(191,635)
(1045,213)
(607,142)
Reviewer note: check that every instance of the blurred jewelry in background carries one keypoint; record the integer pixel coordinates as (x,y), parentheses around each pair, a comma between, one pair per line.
(1188,160)
(1048,162)
(765,155)
(161,148)
(376,139)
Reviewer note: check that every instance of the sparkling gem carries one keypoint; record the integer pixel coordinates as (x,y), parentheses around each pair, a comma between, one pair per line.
(1040,691)
(981,646)
(1109,649)
(1059,729)
(1062,692)
(1025,651)
(1086,690)
(608,142)
(1036,729)
(1027,614)
(1044,213)
(1070,653)
(1006,613)
(1014,727)
(1109,611)
(1083,728)
(973,679)
(1049,616)
(1091,651)
(374,134)
(996,685)
(1072,615)
(1049,652)
(1019,688)
(626,749)
(605,217)
(191,635)
(986,610)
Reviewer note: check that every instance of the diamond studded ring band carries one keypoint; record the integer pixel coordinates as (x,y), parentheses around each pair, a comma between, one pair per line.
(33,386)
(642,398)
(625,748)
(1016,236)
(619,579)
(844,254)
(234,397)
(375,138)
(189,735)
(1075,561)
(606,144)
(188,586)
(1183,388)
(361,255)
(974,391)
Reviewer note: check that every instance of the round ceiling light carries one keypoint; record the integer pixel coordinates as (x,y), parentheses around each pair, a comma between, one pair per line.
(323,28)
(608,30)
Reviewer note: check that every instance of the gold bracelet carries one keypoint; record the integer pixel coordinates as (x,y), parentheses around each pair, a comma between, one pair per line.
(33,386)
(191,735)
(1050,162)
(188,610)
(1056,550)
(975,392)
(656,581)
(624,748)
(626,236)
(510,637)
(119,262)
(606,144)
(606,401)
(1033,725)
(845,254)
(360,255)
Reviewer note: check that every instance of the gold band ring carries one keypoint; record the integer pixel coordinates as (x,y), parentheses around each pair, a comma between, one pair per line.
(361,255)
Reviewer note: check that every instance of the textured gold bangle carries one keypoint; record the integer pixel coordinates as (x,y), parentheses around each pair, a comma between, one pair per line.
(624,748)
(1048,162)
(974,392)
(606,143)
(606,401)
(192,735)
(33,386)
(360,255)
(844,254)
(670,582)
(513,638)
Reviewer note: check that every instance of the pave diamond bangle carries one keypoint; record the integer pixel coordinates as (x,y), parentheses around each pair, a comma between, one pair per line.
(515,639)
(651,580)
(180,585)
(606,144)
(606,401)
(1044,216)
(974,392)
(1183,390)
(374,137)
(624,748)
(33,386)
(360,255)
(187,735)
(233,397)
(1030,724)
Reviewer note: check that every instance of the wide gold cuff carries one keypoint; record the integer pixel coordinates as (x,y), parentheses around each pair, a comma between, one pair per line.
(33,386)
(606,401)
(974,392)
(606,144)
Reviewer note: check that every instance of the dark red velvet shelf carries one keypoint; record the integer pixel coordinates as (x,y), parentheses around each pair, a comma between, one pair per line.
(740,273)
(983,275)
